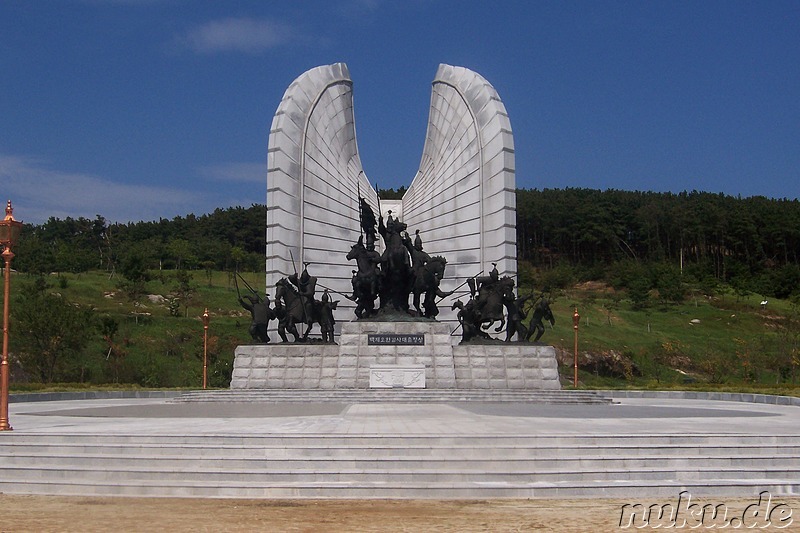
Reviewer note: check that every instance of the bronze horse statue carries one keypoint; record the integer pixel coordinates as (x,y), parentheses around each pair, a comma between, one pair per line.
(490,303)
(365,280)
(426,282)
(291,311)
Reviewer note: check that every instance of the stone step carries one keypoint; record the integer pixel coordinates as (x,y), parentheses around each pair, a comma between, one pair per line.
(396,463)
(706,445)
(343,450)
(381,490)
(394,395)
(356,476)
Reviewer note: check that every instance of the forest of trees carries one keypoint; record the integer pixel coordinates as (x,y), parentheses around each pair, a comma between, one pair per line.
(620,237)
(752,244)
(223,240)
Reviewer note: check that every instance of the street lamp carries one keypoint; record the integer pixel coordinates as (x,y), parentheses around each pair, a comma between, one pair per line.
(9,233)
(576,318)
(205,347)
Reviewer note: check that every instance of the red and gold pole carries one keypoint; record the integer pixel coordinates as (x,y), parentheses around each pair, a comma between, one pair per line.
(576,318)
(9,231)
(8,255)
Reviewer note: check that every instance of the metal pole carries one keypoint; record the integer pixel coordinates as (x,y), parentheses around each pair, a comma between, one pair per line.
(575,321)
(4,423)
(205,348)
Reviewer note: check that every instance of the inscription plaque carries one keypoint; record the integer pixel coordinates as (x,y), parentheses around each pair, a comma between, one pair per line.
(395,339)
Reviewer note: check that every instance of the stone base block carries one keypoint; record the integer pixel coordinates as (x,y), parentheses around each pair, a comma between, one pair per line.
(285,366)
(424,346)
(508,366)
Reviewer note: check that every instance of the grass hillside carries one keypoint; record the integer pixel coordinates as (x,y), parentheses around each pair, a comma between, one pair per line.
(713,343)
(725,342)
(156,344)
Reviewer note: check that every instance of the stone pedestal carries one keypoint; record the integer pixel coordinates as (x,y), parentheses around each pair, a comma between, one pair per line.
(423,346)
(395,343)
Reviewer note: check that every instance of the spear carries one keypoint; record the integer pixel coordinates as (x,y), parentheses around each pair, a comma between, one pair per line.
(333,290)
(360,214)
(464,283)
(246,284)
(378,191)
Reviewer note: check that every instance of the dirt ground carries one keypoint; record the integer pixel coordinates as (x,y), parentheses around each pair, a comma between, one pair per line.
(86,514)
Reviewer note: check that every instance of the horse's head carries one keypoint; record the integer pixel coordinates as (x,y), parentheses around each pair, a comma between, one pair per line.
(356,250)
(283,288)
(437,264)
(280,288)
(506,285)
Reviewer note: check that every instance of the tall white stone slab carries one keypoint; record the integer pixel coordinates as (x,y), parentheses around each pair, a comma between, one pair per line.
(314,177)
(462,199)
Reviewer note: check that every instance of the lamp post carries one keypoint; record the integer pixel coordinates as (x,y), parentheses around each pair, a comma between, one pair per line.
(205,348)
(9,232)
(576,318)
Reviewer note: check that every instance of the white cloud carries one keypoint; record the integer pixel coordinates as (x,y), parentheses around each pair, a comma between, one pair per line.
(243,34)
(238,172)
(39,193)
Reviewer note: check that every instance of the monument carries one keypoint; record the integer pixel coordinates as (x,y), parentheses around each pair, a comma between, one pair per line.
(323,214)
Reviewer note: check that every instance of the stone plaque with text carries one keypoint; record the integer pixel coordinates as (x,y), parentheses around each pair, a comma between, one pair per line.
(396,339)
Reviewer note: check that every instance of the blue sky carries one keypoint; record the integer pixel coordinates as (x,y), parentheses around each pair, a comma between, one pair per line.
(140,109)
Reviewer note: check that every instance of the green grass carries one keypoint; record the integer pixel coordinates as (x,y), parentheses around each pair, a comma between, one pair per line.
(154,348)
(722,343)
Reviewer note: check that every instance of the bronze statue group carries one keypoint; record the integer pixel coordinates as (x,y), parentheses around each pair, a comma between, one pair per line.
(404,270)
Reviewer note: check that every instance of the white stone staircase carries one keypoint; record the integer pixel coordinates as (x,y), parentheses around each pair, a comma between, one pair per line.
(416,466)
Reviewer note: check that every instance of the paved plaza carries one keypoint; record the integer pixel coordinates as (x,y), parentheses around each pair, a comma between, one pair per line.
(633,416)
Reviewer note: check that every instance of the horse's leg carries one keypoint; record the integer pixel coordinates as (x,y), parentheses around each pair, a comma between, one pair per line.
(522,333)
(431,309)
(292,328)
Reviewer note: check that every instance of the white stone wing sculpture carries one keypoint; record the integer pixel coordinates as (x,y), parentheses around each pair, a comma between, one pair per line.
(462,199)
